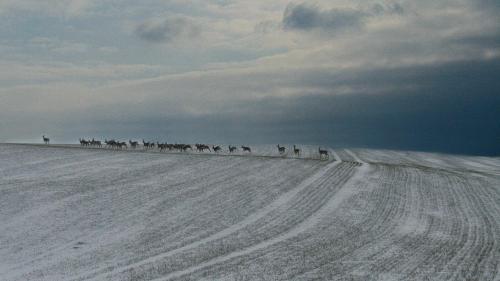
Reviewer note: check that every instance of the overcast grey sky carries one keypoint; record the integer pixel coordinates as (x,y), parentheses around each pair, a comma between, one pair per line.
(420,75)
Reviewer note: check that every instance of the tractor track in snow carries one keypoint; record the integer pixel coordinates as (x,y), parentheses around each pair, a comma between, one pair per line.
(318,207)
(250,220)
(423,261)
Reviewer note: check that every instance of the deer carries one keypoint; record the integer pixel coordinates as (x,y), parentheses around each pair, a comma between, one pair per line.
(122,144)
(145,144)
(281,149)
(323,152)
(202,147)
(296,151)
(246,148)
(161,146)
(111,143)
(45,139)
(184,147)
(83,142)
(133,144)
(232,149)
(94,142)
(216,148)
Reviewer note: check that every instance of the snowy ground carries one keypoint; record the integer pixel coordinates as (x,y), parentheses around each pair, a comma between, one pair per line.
(68,213)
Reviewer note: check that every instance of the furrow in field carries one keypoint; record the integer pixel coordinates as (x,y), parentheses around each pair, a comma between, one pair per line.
(427,250)
(353,156)
(434,247)
(385,234)
(249,220)
(420,250)
(237,239)
(371,249)
(233,184)
(312,220)
(491,265)
(466,233)
(477,244)
(424,250)
(321,218)
(483,252)
(274,227)
(336,157)
(103,193)
(125,206)
(344,156)
(243,224)
(141,216)
(442,225)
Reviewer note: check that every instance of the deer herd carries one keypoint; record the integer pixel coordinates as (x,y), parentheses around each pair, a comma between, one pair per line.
(323,154)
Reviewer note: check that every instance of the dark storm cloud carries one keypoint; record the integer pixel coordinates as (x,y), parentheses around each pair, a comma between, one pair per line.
(489,4)
(481,41)
(306,17)
(450,107)
(166,30)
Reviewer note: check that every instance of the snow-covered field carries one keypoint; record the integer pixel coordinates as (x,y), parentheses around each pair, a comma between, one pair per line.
(68,213)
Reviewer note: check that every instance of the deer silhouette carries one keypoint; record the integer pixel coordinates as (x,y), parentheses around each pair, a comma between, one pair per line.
(121,145)
(111,143)
(296,151)
(133,144)
(45,139)
(148,144)
(232,149)
(246,148)
(83,142)
(281,149)
(323,153)
(216,148)
(161,146)
(93,142)
(202,147)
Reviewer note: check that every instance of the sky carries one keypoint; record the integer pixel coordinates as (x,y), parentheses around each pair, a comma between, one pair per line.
(408,75)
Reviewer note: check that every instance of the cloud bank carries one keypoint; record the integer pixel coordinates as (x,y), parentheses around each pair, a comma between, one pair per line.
(306,17)
(167,30)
